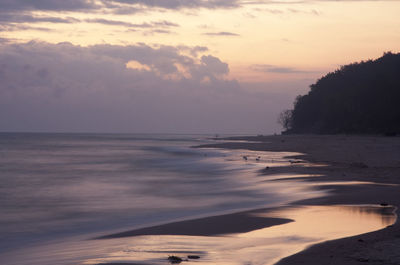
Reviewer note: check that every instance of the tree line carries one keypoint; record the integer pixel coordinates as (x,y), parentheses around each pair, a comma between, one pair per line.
(359,98)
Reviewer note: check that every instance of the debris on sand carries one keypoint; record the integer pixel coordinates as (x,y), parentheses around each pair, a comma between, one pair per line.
(175,259)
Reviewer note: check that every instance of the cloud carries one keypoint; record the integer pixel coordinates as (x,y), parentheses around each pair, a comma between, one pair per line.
(154,24)
(20,27)
(23,11)
(17,22)
(157,31)
(136,88)
(193,51)
(178,4)
(269,10)
(268,68)
(310,12)
(210,67)
(25,18)
(4,40)
(47,5)
(118,6)
(109,22)
(222,33)
(131,6)
(165,23)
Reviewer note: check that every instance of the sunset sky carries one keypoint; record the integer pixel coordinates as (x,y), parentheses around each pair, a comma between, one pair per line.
(176,66)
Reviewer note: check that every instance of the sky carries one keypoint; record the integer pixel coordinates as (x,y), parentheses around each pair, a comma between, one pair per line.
(175,66)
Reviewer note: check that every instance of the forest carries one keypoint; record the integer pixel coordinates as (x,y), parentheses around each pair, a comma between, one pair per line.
(359,98)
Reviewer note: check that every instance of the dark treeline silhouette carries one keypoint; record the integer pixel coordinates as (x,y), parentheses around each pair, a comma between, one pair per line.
(359,98)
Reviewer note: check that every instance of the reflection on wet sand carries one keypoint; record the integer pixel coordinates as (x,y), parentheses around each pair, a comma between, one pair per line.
(312,224)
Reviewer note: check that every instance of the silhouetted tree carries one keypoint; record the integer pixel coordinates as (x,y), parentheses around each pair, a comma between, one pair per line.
(285,119)
(357,98)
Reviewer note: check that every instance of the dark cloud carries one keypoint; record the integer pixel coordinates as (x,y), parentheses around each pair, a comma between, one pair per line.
(22,11)
(15,21)
(130,6)
(117,6)
(49,5)
(27,18)
(222,33)
(276,69)
(136,88)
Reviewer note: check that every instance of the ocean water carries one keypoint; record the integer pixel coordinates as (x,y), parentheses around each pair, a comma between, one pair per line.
(58,185)
(59,191)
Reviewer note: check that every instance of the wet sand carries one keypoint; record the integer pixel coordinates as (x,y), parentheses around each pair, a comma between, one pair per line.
(209,226)
(358,159)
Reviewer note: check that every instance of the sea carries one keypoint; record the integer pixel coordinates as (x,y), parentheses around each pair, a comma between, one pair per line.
(56,187)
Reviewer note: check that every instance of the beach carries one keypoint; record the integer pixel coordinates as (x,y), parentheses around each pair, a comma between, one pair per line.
(291,199)
(370,165)
(352,170)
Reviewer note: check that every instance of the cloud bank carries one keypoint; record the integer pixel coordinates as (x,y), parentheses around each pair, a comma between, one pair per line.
(136,88)
(13,12)
(130,5)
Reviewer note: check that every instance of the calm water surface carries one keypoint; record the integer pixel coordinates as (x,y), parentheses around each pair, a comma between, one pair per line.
(57,190)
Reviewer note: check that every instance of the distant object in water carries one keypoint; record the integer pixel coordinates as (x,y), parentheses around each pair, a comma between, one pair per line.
(245,158)
(258,158)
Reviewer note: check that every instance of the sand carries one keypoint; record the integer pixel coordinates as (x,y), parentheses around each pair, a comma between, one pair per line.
(208,226)
(356,159)
(347,158)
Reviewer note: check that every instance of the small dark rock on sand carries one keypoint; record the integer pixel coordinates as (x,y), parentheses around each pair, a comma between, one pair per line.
(175,259)
(193,257)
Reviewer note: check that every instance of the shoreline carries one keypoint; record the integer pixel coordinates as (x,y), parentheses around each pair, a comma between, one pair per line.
(351,168)
(355,159)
